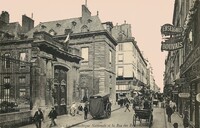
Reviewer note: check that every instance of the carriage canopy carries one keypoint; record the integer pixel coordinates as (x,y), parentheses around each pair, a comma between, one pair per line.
(97,104)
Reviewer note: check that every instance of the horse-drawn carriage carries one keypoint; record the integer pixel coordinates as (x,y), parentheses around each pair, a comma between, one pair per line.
(143,114)
(144,111)
(100,106)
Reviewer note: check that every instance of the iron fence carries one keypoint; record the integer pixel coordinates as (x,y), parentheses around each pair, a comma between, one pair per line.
(15,85)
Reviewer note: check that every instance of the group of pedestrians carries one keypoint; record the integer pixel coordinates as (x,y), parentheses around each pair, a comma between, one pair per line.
(76,110)
(38,117)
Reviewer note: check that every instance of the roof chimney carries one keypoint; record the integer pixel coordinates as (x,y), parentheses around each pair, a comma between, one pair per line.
(5,17)
(86,14)
(27,23)
(97,13)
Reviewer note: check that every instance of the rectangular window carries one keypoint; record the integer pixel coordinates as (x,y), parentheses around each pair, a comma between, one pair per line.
(7,60)
(120,47)
(22,57)
(22,80)
(110,56)
(120,58)
(120,71)
(22,92)
(84,53)
(6,93)
(6,80)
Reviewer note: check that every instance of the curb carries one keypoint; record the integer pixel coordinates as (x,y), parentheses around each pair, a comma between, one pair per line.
(166,122)
(88,119)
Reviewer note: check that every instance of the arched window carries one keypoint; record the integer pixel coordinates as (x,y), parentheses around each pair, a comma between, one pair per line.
(52,32)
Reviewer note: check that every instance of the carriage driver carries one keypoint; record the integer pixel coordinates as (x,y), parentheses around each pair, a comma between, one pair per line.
(146,104)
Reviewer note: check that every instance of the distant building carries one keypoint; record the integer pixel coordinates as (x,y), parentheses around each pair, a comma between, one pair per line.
(131,67)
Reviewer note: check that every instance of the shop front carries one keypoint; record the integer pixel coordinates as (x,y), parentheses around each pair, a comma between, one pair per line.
(190,70)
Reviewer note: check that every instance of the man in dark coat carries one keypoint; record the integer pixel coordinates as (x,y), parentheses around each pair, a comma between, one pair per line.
(53,115)
(85,109)
(146,104)
(38,118)
(169,112)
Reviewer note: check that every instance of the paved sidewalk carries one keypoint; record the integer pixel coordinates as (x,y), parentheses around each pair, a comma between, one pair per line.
(67,121)
(175,118)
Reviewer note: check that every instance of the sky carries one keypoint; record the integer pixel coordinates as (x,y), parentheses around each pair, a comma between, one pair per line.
(145,16)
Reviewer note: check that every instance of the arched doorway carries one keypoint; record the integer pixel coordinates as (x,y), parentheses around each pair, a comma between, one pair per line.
(60,89)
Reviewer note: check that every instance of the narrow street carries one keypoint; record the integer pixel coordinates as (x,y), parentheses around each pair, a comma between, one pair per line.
(119,118)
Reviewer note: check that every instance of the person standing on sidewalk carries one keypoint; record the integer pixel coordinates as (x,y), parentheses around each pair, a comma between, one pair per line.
(169,112)
(53,115)
(85,109)
(38,118)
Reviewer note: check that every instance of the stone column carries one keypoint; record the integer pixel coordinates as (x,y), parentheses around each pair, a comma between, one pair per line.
(49,85)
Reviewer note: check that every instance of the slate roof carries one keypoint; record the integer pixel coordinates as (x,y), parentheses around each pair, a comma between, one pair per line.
(59,26)
(11,28)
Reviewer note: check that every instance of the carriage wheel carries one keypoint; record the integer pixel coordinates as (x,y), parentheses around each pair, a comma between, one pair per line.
(134,120)
(108,110)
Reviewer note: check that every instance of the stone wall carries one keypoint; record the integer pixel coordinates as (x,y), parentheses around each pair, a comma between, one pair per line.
(15,119)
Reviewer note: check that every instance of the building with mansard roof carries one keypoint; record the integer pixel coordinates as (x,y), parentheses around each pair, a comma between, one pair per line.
(93,38)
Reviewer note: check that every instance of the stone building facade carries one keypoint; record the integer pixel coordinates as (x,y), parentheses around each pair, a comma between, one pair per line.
(131,67)
(97,46)
(48,75)
(182,66)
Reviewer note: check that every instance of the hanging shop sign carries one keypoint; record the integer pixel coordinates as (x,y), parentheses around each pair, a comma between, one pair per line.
(171,44)
(184,95)
(198,97)
(168,29)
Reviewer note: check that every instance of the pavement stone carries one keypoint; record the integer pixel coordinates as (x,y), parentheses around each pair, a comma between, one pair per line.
(67,121)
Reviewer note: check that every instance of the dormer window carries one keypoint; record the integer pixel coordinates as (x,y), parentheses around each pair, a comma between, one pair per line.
(84,28)
(58,25)
(43,27)
(67,31)
(52,32)
(74,23)
(89,20)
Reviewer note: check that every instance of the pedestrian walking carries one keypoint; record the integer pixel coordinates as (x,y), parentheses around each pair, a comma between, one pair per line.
(169,112)
(127,104)
(186,119)
(85,111)
(53,115)
(175,125)
(38,118)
